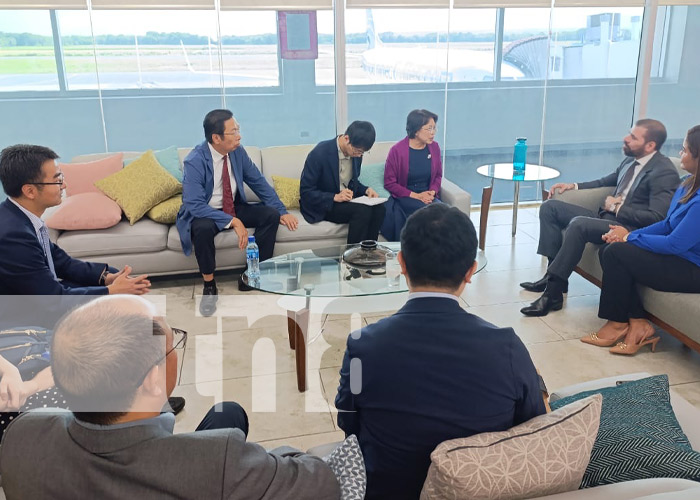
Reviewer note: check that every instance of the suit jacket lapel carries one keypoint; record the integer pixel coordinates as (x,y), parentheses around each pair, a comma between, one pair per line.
(237,173)
(643,173)
(335,163)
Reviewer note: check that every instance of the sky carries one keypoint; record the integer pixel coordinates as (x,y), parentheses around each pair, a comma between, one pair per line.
(250,23)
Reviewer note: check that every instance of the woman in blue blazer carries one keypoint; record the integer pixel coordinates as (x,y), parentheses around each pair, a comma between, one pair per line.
(664,256)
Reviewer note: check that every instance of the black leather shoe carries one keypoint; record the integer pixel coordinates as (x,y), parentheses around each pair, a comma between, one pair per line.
(543,305)
(174,405)
(207,306)
(535,286)
(242,287)
(540,285)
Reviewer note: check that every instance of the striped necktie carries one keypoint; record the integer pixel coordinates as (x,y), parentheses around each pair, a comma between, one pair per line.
(626,179)
(47,247)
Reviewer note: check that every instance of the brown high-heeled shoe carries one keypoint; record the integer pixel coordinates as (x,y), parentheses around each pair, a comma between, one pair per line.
(593,339)
(631,349)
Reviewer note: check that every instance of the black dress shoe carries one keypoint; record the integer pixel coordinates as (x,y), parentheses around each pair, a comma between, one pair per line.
(207,306)
(543,305)
(242,287)
(540,285)
(174,405)
(535,286)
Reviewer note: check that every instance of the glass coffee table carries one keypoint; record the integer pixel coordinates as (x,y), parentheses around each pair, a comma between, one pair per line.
(321,275)
(505,172)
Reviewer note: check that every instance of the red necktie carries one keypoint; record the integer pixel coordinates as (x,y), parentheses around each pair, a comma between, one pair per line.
(228,194)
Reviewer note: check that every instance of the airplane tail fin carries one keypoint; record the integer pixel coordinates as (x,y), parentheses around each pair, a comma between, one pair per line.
(373,40)
(187,59)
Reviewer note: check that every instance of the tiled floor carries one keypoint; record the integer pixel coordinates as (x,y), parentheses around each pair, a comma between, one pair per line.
(249,360)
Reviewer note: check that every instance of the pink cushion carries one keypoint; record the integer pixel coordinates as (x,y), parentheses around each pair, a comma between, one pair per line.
(85,211)
(81,177)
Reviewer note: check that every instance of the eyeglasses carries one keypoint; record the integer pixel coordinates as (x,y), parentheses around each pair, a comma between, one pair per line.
(357,151)
(179,343)
(429,129)
(59,182)
(236,131)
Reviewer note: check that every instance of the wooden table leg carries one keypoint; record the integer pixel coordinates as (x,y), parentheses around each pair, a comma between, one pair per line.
(484,215)
(298,326)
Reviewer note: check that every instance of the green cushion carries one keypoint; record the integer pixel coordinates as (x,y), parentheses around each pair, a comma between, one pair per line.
(140,186)
(287,190)
(166,211)
(168,159)
(372,175)
(639,436)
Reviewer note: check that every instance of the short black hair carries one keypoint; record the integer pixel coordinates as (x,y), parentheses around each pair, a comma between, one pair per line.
(439,245)
(21,164)
(655,131)
(214,122)
(361,134)
(417,119)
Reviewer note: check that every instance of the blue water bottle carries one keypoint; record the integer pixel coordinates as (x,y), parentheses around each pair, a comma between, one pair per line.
(253,257)
(520,155)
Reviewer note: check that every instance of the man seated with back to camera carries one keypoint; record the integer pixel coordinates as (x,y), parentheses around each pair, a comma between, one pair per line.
(116,364)
(432,371)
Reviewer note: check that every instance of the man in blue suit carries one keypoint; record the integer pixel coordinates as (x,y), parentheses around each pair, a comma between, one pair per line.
(330,180)
(432,371)
(213,200)
(31,263)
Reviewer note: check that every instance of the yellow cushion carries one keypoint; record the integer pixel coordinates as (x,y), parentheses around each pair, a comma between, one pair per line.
(166,212)
(140,186)
(288,190)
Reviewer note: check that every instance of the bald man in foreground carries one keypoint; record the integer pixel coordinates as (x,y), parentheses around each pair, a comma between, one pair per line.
(116,364)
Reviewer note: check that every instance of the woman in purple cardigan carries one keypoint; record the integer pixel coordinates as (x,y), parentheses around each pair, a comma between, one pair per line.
(413,172)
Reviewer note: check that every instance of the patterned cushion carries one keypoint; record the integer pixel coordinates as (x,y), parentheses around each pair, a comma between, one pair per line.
(288,191)
(545,455)
(348,465)
(169,159)
(166,212)
(140,186)
(639,435)
(373,176)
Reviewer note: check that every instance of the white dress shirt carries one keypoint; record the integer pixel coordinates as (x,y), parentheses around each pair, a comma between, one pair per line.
(217,196)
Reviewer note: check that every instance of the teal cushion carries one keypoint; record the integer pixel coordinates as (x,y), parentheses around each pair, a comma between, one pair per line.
(373,176)
(169,160)
(3,196)
(639,436)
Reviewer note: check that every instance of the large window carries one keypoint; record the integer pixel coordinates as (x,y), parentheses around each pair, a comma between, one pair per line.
(27,60)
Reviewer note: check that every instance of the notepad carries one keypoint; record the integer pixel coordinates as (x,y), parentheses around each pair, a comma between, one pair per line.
(366,200)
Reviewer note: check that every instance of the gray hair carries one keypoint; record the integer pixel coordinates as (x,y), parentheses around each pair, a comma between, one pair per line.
(101,353)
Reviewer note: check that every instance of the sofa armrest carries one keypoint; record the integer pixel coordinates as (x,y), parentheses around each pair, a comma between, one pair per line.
(592,199)
(455,196)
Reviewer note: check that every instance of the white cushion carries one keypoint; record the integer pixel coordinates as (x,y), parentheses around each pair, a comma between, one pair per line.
(143,237)
(323,230)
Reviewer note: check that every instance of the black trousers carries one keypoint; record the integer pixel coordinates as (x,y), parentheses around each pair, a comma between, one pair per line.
(226,415)
(626,265)
(582,226)
(364,221)
(264,219)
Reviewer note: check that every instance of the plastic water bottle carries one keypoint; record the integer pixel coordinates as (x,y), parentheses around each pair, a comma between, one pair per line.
(253,257)
(520,155)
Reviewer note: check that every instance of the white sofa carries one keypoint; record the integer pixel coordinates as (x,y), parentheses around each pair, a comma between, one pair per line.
(153,248)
